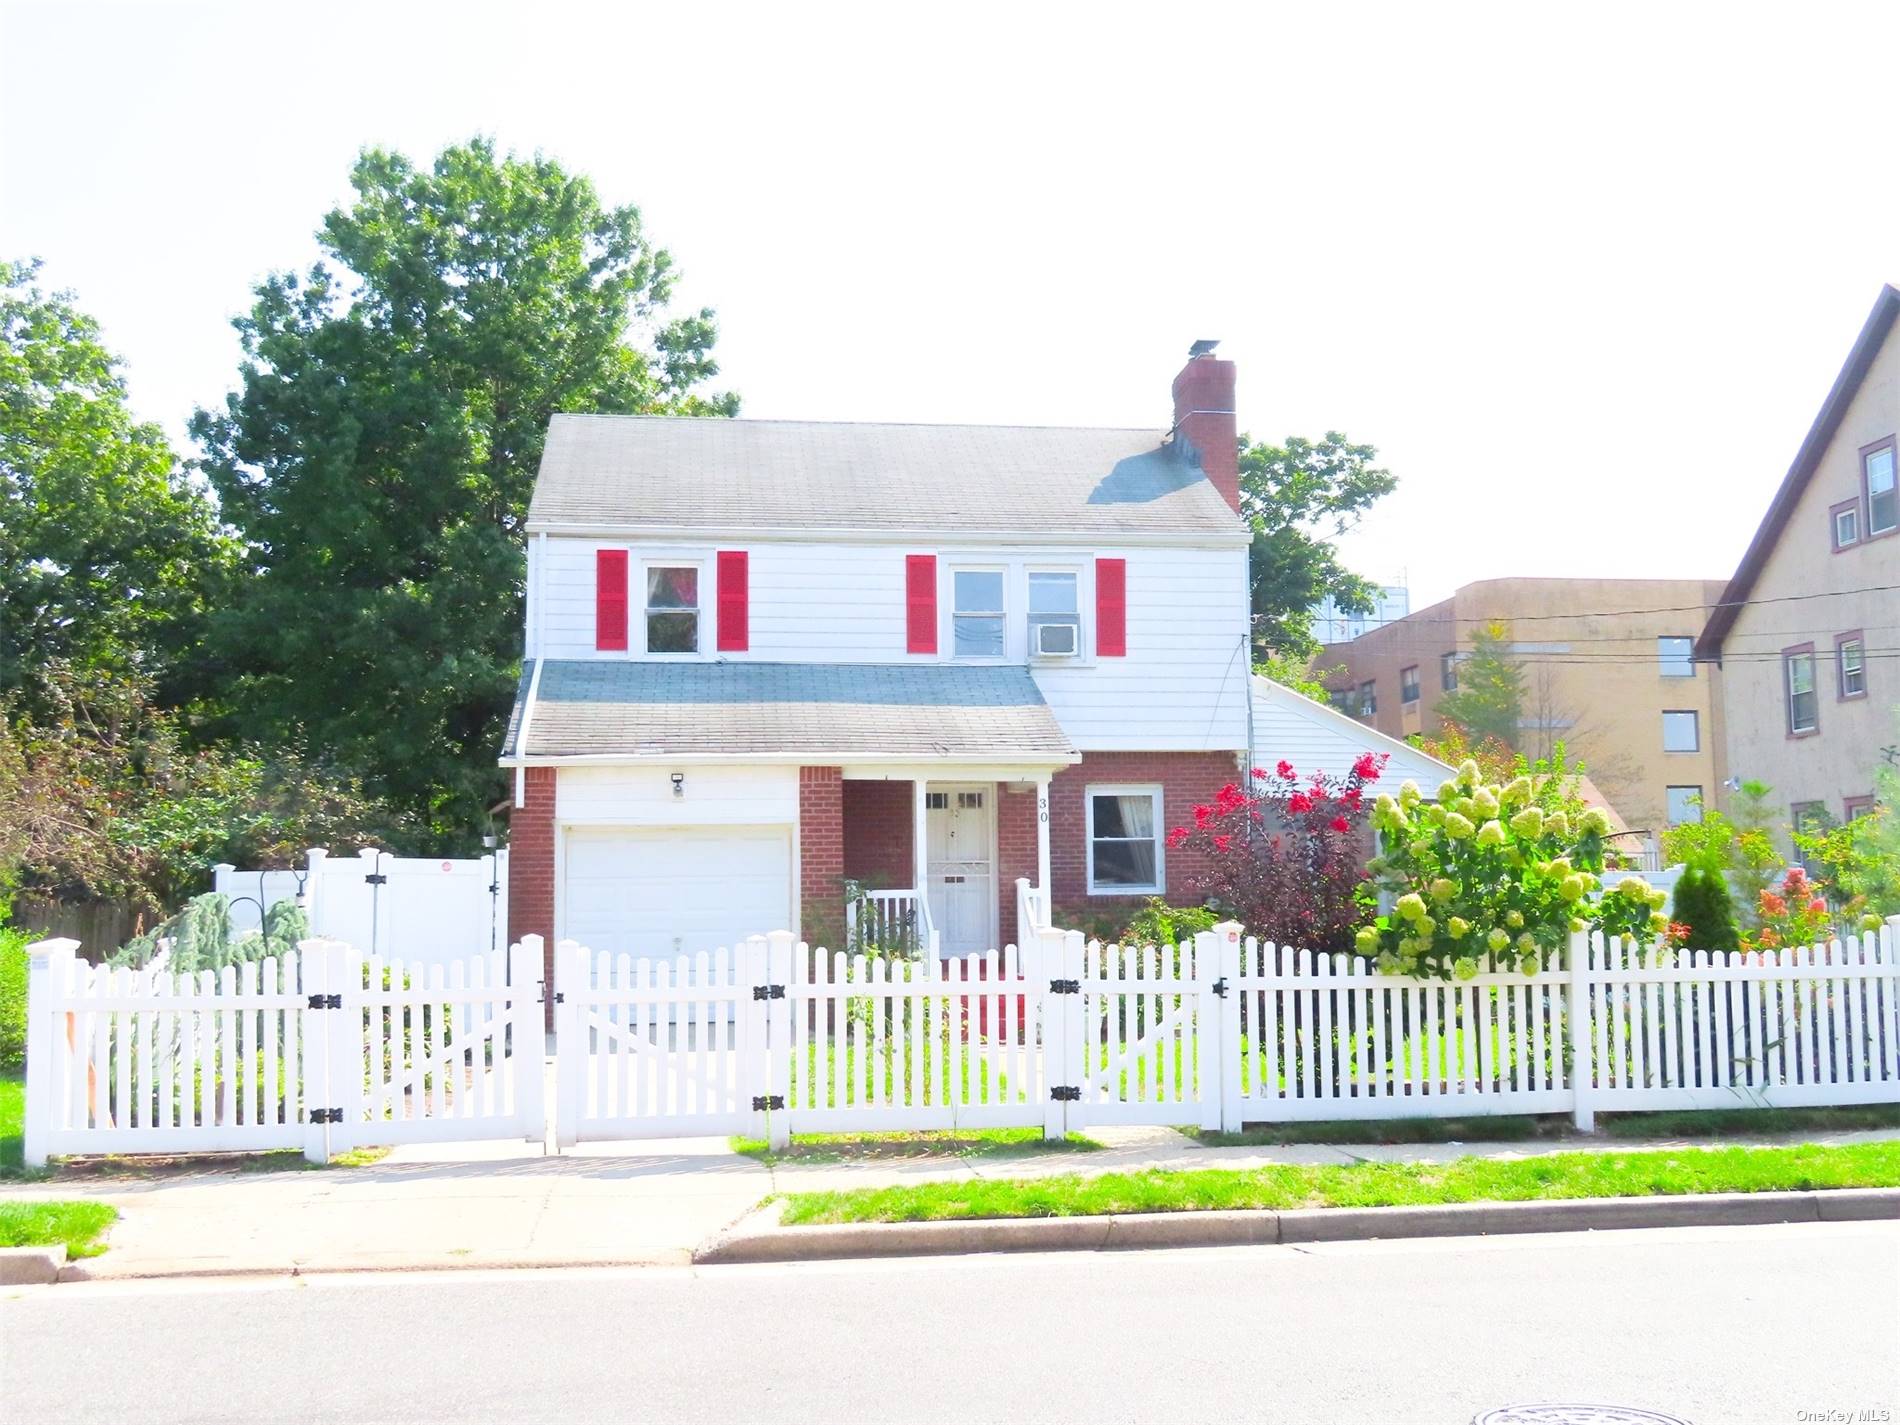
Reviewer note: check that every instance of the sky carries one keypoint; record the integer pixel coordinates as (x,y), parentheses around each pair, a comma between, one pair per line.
(1582,273)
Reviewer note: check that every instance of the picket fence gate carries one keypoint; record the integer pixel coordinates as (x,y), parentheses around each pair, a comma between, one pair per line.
(325,1049)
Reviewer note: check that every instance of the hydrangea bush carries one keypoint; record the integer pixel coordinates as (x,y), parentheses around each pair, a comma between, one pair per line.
(1502,873)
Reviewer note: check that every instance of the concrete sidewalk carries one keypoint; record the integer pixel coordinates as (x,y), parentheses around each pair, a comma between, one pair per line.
(623,1204)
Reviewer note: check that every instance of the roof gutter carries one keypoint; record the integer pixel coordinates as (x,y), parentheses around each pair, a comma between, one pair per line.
(1239,537)
(521,735)
(815,758)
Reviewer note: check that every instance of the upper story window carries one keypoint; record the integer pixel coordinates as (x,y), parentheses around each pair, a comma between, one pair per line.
(1055,622)
(1448,672)
(1850,656)
(1681,732)
(977,614)
(672,608)
(1675,656)
(1797,676)
(1368,699)
(1845,520)
(1408,684)
(1877,480)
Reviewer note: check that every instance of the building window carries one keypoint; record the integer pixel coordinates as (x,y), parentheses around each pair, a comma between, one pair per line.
(1368,699)
(1052,607)
(672,608)
(1850,659)
(976,622)
(1408,684)
(1684,804)
(1857,807)
(1797,677)
(1676,657)
(1877,480)
(1810,818)
(1846,522)
(1448,672)
(1124,841)
(1681,732)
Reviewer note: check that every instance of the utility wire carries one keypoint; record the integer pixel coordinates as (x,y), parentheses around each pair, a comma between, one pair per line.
(1633,613)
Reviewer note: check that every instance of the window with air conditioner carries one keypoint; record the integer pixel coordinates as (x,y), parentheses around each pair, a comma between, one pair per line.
(1055,622)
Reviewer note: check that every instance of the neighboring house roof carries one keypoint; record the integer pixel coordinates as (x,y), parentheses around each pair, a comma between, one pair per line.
(1781,509)
(602,473)
(638,710)
(1318,738)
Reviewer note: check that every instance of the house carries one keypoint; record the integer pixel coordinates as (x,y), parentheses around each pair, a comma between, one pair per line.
(764,658)
(1805,631)
(1317,738)
(1608,671)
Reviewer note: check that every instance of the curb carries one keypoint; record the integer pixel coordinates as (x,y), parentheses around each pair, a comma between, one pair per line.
(31,1266)
(98,1270)
(760,1238)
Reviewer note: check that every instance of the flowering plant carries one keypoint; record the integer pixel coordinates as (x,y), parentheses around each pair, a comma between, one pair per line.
(1507,871)
(1795,913)
(1287,856)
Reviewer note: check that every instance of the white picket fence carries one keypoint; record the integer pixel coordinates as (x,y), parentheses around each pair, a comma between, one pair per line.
(326,1050)
(333,1049)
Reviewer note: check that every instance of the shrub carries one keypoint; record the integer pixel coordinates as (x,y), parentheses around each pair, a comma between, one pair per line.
(1705,911)
(12,1000)
(1499,872)
(1158,923)
(1287,859)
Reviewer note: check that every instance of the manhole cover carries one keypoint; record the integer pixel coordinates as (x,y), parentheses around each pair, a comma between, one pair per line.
(1545,1414)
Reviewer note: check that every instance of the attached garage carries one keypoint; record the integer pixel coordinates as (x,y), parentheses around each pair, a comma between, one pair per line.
(664,890)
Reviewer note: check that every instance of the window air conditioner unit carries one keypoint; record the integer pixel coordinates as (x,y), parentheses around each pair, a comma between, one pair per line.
(1058,640)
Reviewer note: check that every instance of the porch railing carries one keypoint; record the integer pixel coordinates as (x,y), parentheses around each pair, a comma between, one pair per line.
(888,920)
(1032,909)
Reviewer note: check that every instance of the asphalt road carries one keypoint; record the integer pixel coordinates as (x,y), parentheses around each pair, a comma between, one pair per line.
(1710,1325)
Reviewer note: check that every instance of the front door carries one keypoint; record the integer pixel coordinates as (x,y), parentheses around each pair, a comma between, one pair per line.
(962,877)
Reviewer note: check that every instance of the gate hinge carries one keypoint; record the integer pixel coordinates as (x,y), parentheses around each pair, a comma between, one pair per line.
(1066,1093)
(560,996)
(1220,987)
(1065,987)
(326,1001)
(768,992)
(326,1115)
(768,1100)
(374,879)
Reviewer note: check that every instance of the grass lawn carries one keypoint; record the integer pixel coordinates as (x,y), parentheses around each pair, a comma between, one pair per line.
(1509,1128)
(41,1224)
(1560,1175)
(953,1142)
(12,1119)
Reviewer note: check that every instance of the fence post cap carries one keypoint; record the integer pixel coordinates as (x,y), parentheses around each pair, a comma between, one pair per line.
(45,949)
(223,866)
(368,851)
(776,937)
(1228,929)
(532,939)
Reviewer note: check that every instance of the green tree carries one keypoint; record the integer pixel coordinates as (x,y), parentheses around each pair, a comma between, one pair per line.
(1702,903)
(1292,672)
(1297,497)
(109,554)
(1489,699)
(1739,848)
(378,455)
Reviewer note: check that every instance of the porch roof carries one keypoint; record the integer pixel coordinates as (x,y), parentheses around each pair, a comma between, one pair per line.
(634,709)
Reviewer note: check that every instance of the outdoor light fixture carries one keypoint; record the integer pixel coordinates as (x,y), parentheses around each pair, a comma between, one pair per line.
(679,784)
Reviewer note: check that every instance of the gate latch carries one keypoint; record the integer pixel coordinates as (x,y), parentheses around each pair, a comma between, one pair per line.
(768,1100)
(1220,987)
(326,1002)
(1066,1093)
(768,992)
(1065,987)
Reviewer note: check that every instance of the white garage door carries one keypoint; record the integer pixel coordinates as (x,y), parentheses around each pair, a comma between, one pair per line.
(667,890)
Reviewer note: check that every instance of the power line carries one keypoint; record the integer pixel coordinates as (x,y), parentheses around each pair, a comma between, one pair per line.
(1705,609)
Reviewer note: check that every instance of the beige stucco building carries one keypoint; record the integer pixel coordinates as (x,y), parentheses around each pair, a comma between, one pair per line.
(1808,631)
(1607,671)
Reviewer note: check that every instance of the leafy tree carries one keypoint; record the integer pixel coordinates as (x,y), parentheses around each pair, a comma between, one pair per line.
(1740,848)
(109,554)
(1293,672)
(1497,762)
(1489,699)
(1702,905)
(378,455)
(1295,496)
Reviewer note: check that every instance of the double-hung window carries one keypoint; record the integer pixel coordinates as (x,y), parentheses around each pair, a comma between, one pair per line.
(672,608)
(1797,678)
(1681,732)
(1850,656)
(1368,698)
(1448,672)
(1877,478)
(1055,623)
(1125,849)
(1408,685)
(1675,657)
(977,614)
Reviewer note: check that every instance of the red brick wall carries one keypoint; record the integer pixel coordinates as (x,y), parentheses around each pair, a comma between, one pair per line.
(531,865)
(1206,386)
(821,855)
(1015,851)
(1186,778)
(879,829)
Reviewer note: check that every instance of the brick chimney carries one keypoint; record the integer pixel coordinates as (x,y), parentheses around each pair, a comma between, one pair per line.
(1204,418)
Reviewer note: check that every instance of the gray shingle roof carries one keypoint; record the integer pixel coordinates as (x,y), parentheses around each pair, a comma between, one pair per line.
(587,707)
(685,472)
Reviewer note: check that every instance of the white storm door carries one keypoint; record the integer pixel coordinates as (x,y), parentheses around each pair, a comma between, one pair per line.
(958,838)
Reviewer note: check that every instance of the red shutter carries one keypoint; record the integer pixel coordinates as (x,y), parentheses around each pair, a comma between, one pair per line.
(1111,608)
(610,599)
(920,603)
(734,636)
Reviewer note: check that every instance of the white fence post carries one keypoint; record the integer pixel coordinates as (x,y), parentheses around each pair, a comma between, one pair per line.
(754,970)
(315,1037)
(1580,1008)
(343,980)
(572,978)
(776,1045)
(48,971)
(527,1033)
(1047,967)
(1220,1066)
